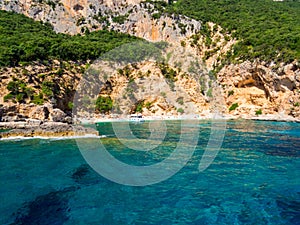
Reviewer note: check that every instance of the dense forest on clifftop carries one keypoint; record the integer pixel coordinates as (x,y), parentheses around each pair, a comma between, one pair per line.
(24,40)
(268,30)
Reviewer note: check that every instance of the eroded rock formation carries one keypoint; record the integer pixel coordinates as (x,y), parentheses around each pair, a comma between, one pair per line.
(258,86)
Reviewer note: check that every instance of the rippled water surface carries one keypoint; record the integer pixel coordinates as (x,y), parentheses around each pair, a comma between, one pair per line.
(253,180)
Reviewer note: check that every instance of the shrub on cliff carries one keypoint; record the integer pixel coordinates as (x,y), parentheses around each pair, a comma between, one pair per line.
(258,112)
(104,104)
(233,106)
(19,91)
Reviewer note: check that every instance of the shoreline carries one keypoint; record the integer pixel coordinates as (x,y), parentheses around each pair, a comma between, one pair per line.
(268,117)
(47,130)
(58,130)
(54,138)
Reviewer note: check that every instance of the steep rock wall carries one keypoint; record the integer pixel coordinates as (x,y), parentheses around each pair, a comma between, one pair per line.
(259,86)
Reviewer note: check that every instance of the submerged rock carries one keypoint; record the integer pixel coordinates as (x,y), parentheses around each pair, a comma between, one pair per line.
(289,209)
(85,175)
(51,208)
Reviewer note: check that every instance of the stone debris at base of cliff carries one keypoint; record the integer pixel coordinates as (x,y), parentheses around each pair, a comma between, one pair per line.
(48,129)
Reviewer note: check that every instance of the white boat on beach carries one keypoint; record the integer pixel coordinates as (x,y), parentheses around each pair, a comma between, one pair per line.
(136,118)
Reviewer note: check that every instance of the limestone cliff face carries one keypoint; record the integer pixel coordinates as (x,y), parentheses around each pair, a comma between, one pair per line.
(260,87)
(141,83)
(254,87)
(44,92)
(148,87)
(130,16)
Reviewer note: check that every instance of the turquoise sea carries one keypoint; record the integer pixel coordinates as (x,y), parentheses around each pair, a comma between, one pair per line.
(254,179)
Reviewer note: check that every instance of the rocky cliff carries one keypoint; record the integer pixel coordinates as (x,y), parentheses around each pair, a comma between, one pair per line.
(259,87)
(39,91)
(130,16)
(249,88)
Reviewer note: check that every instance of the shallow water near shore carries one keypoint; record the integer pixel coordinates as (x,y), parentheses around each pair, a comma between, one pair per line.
(253,180)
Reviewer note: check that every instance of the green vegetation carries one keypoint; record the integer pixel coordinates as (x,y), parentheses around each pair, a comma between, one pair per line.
(163,94)
(231,92)
(169,74)
(258,112)
(38,99)
(19,91)
(119,19)
(70,105)
(180,100)
(136,52)
(266,29)
(48,88)
(141,104)
(104,104)
(139,107)
(158,5)
(148,105)
(24,40)
(156,15)
(233,106)
(209,93)
(180,110)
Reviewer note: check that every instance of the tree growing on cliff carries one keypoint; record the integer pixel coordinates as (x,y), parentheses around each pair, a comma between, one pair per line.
(104,104)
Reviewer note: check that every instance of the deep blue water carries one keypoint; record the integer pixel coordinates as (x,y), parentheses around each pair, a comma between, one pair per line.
(253,180)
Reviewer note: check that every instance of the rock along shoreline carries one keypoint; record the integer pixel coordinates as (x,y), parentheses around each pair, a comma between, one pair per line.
(39,129)
(44,130)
